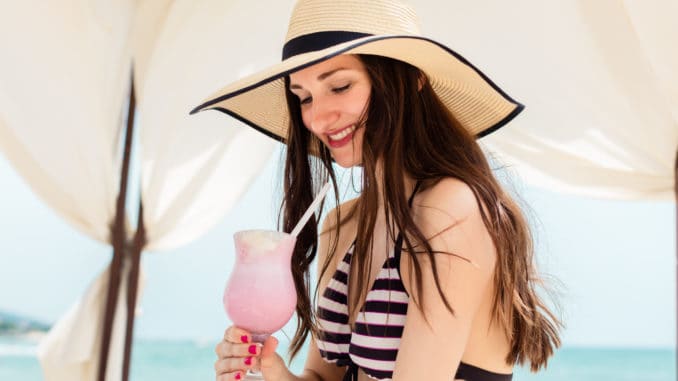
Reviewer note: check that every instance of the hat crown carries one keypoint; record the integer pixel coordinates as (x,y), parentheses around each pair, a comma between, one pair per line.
(375,17)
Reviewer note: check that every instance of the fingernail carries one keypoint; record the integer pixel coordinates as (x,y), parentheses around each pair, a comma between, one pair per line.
(237,376)
(244,339)
(248,361)
(252,349)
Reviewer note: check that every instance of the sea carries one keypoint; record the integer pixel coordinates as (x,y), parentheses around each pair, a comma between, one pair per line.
(192,360)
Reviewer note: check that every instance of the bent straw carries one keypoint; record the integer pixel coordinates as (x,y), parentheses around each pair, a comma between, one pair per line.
(311,209)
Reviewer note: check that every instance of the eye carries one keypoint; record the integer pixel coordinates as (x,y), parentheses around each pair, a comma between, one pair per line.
(305,101)
(341,89)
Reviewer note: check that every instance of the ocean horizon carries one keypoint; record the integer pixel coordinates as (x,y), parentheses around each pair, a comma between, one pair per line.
(193,360)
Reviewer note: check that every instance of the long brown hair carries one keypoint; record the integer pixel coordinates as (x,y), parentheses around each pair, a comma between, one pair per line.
(428,144)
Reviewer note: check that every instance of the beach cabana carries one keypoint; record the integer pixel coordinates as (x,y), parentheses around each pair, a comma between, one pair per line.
(67,108)
(598,79)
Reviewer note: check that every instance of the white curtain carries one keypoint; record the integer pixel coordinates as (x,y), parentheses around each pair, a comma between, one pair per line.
(195,167)
(63,88)
(65,75)
(599,80)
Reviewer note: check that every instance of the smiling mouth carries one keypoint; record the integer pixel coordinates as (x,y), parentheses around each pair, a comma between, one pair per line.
(341,135)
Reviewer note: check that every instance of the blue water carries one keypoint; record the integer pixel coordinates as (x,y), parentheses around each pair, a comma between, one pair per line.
(185,361)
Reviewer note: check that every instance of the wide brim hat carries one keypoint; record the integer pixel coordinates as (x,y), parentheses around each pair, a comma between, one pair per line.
(322,29)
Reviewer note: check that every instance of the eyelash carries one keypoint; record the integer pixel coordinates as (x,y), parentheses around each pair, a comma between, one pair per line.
(336,90)
(341,89)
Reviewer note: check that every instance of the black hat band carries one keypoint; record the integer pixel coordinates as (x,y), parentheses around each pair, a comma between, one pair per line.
(318,41)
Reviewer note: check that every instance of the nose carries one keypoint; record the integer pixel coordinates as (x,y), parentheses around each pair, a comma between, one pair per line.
(323,115)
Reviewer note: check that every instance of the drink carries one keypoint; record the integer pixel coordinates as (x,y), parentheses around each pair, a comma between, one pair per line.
(260,295)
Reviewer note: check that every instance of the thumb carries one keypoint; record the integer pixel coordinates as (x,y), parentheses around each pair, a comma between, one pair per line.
(272,365)
(270,345)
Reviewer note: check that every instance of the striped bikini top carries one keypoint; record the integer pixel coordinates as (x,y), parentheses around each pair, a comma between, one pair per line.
(373,344)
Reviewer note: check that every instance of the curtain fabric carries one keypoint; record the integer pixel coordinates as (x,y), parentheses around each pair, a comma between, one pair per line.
(599,82)
(598,79)
(195,167)
(65,80)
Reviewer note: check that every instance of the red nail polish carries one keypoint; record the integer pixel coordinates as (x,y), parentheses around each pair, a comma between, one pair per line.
(248,361)
(252,349)
(244,339)
(238,376)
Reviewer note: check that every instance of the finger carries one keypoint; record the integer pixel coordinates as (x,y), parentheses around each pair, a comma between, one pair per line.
(225,349)
(234,364)
(271,364)
(237,335)
(231,376)
(270,345)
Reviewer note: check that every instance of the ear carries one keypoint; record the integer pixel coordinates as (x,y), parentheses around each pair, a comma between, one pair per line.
(422,79)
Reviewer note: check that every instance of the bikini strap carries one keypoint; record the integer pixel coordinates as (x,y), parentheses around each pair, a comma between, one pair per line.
(414,192)
(351,372)
(399,239)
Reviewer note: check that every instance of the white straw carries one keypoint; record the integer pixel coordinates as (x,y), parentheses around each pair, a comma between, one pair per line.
(311,209)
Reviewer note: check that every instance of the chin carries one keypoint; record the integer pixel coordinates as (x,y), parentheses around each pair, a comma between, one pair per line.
(346,162)
(346,157)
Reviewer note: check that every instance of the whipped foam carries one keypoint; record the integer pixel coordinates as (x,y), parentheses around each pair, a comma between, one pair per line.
(262,239)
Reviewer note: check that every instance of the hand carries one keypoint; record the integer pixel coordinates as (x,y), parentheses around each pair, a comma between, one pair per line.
(236,354)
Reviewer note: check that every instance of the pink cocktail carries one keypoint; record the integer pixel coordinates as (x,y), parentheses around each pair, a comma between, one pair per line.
(260,295)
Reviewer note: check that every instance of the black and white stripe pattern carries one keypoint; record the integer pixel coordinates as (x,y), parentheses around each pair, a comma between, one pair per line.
(335,335)
(373,344)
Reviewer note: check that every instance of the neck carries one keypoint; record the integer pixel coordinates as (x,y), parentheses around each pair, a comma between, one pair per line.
(408,182)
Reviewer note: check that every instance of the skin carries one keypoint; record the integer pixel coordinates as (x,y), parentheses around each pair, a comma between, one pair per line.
(334,95)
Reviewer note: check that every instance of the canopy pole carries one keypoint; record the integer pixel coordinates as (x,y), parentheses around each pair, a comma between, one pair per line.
(132,286)
(118,238)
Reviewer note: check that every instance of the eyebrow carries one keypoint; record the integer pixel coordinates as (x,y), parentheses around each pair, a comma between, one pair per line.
(321,77)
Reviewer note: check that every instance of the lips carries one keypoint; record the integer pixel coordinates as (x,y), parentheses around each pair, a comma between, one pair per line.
(341,137)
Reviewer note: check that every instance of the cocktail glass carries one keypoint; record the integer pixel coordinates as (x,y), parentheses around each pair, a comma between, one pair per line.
(260,295)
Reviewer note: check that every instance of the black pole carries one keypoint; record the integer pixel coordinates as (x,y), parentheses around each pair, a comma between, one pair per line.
(118,238)
(132,286)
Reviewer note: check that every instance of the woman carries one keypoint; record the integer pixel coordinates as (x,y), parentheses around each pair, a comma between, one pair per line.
(428,274)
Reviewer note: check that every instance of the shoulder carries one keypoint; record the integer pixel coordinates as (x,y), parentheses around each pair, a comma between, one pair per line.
(341,215)
(447,290)
(448,199)
(448,213)
(342,211)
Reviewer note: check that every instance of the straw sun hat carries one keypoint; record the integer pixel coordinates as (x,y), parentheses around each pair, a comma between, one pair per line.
(321,29)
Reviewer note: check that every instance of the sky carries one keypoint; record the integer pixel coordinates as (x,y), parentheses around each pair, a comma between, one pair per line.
(611,263)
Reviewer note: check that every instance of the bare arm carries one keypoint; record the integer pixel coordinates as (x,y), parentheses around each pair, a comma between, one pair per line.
(434,340)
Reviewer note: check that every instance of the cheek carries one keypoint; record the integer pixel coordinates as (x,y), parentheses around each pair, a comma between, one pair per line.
(361,102)
(306,120)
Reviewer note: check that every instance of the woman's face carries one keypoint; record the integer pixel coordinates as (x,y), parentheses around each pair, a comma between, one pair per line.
(333,95)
